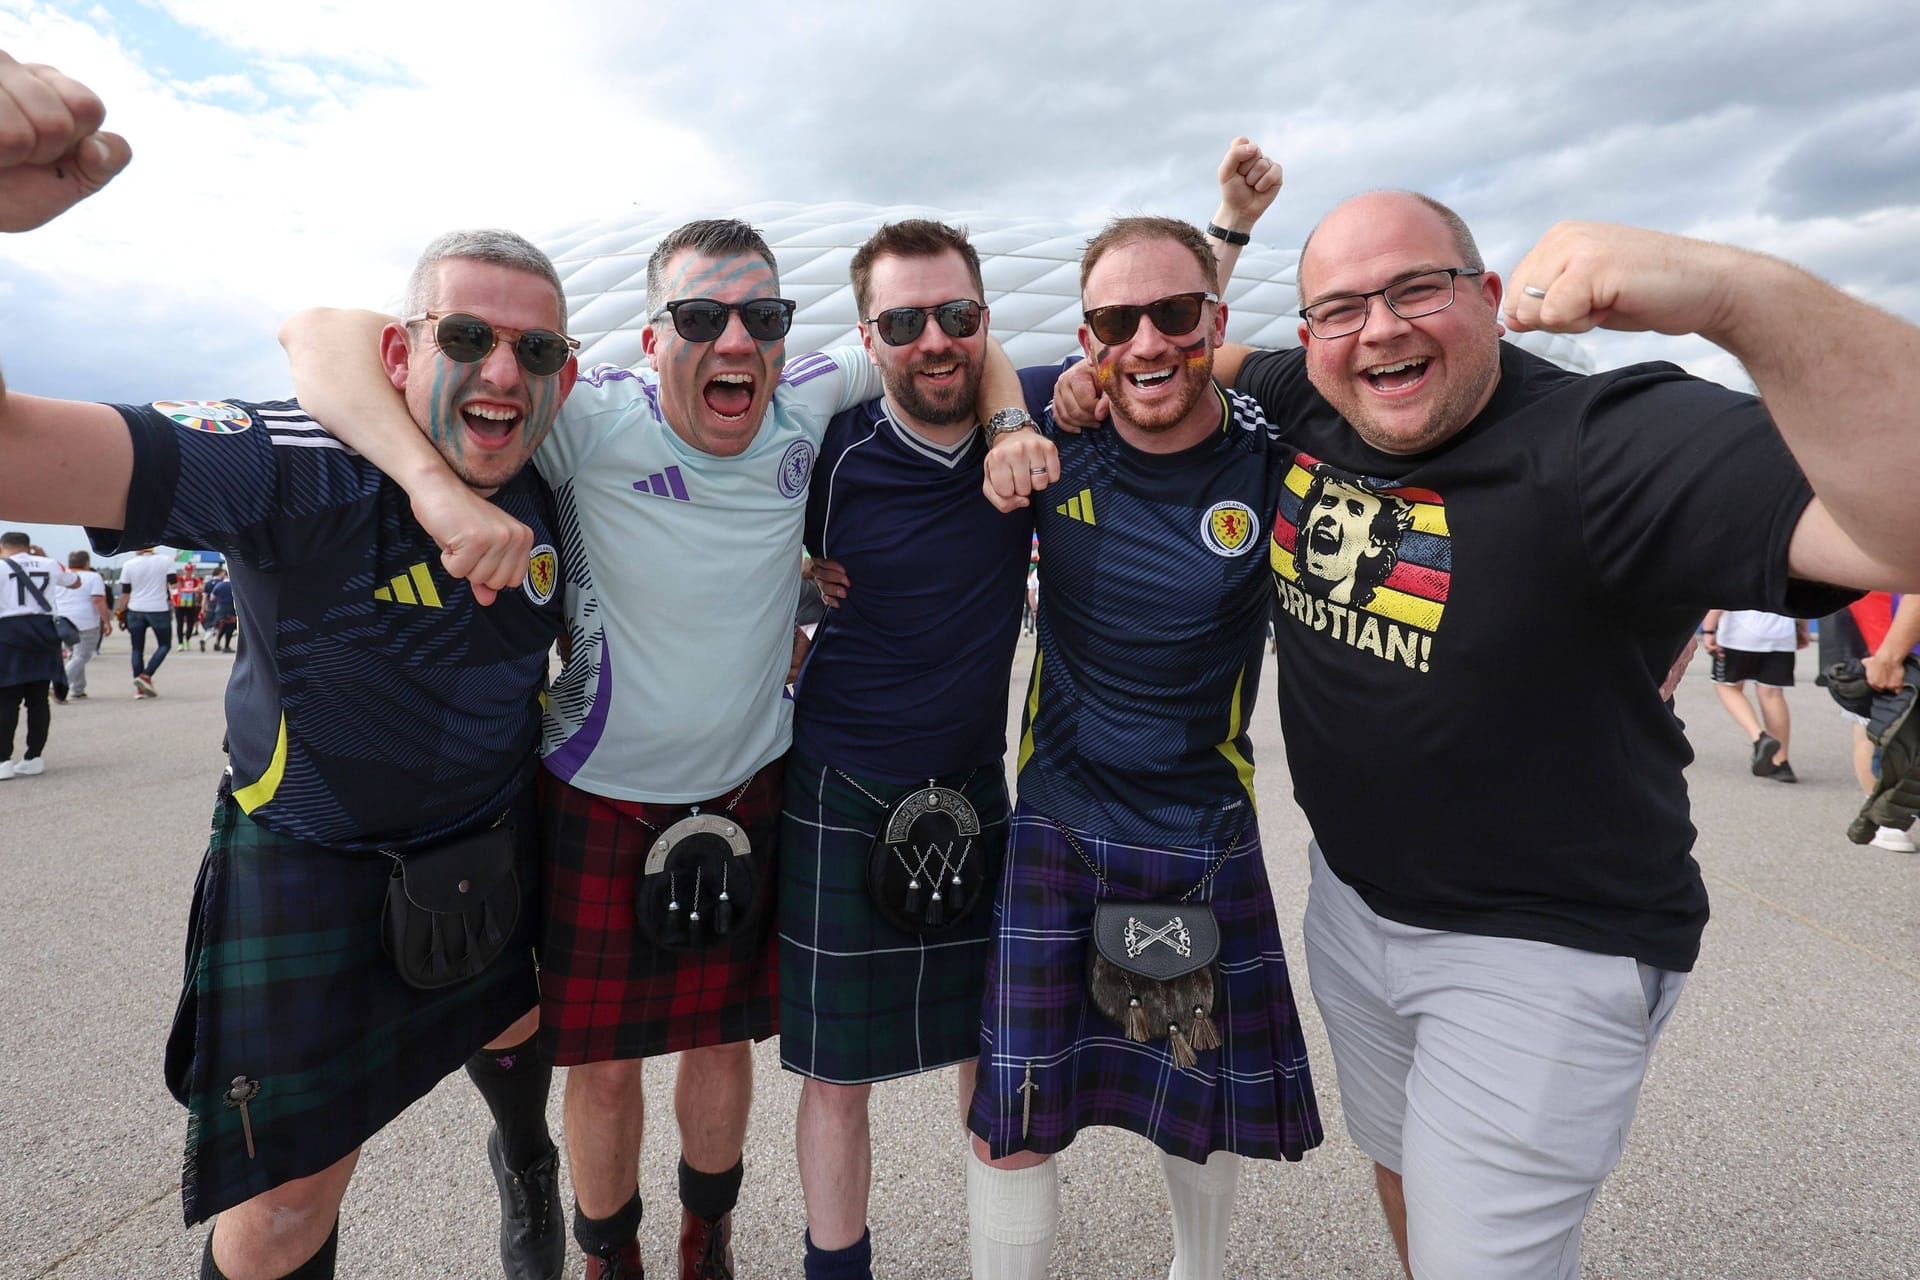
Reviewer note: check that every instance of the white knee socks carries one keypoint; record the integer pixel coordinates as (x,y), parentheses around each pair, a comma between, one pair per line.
(1202,1199)
(1012,1215)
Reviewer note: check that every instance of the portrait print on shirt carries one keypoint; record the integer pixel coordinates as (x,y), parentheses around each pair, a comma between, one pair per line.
(1363,560)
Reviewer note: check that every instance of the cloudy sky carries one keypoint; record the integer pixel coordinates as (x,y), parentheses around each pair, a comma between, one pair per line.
(295,154)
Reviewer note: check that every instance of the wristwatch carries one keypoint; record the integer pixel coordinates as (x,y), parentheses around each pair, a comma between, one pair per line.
(1006,421)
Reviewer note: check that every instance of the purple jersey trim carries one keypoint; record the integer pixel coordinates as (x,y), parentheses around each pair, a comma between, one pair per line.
(807,368)
(565,760)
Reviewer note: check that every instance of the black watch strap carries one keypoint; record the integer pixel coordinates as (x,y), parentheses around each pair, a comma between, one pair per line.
(1219,232)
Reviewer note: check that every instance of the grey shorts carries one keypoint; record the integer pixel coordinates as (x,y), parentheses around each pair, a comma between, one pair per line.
(1498,1076)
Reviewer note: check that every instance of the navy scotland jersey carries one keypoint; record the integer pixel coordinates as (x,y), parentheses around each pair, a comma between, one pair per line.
(373,703)
(907,679)
(1154,595)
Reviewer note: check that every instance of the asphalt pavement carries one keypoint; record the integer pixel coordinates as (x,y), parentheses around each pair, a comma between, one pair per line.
(1776,1133)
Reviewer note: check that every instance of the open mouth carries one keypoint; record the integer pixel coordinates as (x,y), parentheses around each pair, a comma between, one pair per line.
(1398,376)
(1150,380)
(490,425)
(939,374)
(1324,538)
(729,395)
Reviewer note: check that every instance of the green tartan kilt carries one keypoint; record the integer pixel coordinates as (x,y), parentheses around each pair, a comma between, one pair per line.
(286,984)
(861,1000)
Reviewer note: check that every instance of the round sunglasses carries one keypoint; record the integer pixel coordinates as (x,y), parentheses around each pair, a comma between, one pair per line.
(469,339)
(897,326)
(705,319)
(1173,316)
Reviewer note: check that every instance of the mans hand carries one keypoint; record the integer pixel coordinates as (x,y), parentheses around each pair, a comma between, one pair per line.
(52,153)
(1594,275)
(830,576)
(1886,672)
(477,540)
(1077,401)
(1249,182)
(1020,463)
(1679,667)
(1710,641)
(801,643)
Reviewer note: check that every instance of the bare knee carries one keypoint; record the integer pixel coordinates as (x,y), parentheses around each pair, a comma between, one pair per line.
(279,1229)
(1018,1160)
(606,1084)
(523,1026)
(836,1100)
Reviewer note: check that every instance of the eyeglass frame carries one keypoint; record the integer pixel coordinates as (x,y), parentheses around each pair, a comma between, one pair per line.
(1201,298)
(1453,275)
(730,309)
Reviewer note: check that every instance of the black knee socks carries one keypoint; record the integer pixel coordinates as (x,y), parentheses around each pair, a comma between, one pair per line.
(514,1082)
(606,1237)
(710,1195)
(318,1267)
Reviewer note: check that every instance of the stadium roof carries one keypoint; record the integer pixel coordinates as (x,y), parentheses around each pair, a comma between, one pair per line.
(1031,267)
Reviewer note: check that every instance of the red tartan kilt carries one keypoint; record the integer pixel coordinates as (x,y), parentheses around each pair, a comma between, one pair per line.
(605,991)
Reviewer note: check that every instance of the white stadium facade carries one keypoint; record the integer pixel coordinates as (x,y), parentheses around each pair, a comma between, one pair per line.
(1031,268)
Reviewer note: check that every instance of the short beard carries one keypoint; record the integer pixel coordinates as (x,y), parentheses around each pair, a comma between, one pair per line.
(1164,417)
(906,395)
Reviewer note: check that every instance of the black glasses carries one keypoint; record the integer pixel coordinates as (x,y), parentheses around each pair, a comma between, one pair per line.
(1410,297)
(469,340)
(897,326)
(1172,316)
(705,319)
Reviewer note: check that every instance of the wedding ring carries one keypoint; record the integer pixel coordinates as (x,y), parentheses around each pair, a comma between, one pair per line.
(1036,471)
(1533,291)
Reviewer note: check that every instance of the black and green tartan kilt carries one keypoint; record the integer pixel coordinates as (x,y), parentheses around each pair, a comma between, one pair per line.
(286,984)
(862,1000)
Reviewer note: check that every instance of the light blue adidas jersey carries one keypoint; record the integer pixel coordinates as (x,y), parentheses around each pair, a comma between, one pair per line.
(683,573)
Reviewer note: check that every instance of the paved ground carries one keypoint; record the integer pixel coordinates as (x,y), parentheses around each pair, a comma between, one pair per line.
(1775,1138)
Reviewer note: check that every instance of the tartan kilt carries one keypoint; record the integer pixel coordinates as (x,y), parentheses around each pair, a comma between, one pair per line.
(287,983)
(860,999)
(1253,1095)
(606,991)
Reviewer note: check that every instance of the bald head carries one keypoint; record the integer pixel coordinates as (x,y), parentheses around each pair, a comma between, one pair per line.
(1379,210)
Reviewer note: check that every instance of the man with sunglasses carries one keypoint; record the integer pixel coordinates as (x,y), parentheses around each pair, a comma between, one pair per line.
(903,698)
(1624,505)
(377,717)
(687,483)
(1136,778)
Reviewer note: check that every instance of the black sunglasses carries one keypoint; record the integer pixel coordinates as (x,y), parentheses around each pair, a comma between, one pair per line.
(469,340)
(897,326)
(705,319)
(1172,316)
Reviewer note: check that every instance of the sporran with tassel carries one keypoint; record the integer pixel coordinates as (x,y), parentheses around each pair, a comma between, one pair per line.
(1150,967)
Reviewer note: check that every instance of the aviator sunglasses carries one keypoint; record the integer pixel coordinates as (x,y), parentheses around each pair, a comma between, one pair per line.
(897,326)
(705,319)
(469,340)
(1172,316)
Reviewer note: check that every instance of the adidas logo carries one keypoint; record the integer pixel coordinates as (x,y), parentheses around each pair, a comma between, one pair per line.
(1079,507)
(415,586)
(664,484)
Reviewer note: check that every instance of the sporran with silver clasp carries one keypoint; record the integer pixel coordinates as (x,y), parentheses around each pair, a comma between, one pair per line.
(927,866)
(699,884)
(1150,966)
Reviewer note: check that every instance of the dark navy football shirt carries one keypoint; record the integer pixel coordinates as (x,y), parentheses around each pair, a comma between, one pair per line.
(373,703)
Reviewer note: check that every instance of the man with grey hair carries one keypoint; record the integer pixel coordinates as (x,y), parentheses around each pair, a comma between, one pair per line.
(383,733)
(684,483)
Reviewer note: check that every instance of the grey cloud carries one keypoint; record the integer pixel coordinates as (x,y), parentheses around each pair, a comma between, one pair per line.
(1867,159)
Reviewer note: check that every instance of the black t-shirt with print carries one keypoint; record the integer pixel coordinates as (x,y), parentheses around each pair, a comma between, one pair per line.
(1472,640)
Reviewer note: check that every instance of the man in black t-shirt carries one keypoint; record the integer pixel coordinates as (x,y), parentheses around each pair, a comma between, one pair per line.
(1490,882)
(376,713)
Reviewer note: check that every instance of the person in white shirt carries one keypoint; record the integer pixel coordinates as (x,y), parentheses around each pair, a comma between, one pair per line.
(85,606)
(29,648)
(144,581)
(1748,644)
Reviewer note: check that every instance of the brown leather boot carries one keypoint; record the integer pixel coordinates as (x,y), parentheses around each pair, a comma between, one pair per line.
(624,1266)
(706,1247)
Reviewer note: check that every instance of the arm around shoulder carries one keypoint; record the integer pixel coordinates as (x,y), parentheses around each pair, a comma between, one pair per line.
(63,461)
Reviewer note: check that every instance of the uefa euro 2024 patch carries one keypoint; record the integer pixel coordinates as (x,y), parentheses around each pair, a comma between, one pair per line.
(213,416)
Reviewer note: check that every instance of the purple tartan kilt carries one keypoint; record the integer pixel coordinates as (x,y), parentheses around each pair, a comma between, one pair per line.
(1253,1095)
